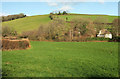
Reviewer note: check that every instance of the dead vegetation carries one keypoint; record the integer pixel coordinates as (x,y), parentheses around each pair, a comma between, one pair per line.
(8,44)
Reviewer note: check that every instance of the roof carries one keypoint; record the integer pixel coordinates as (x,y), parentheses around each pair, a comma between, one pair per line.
(105,31)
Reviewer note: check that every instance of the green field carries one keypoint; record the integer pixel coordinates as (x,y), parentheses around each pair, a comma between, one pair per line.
(92,17)
(27,23)
(33,22)
(62,59)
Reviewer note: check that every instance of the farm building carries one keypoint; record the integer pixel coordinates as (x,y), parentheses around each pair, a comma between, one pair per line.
(104,33)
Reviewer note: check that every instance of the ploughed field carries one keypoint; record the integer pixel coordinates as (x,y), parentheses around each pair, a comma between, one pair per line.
(62,59)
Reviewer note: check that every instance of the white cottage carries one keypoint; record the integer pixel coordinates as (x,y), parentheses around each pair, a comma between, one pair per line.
(104,33)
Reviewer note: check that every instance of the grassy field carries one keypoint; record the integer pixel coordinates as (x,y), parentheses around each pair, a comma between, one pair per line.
(27,23)
(63,59)
(92,17)
(33,22)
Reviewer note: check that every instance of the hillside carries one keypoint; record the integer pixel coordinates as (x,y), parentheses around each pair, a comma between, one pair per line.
(27,23)
(93,17)
(33,22)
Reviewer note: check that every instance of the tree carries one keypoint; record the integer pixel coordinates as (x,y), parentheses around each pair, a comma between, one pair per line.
(12,17)
(91,30)
(21,15)
(3,18)
(64,12)
(81,24)
(66,18)
(99,23)
(56,29)
(41,33)
(59,13)
(51,17)
(51,13)
(116,27)
(8,31)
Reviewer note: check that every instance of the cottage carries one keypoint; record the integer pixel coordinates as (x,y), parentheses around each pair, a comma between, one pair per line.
(104,33)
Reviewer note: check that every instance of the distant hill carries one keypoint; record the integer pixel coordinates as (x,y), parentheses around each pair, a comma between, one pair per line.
(33,22)
(27,23)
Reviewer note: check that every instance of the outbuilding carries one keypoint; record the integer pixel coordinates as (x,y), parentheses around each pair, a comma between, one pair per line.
(104,33)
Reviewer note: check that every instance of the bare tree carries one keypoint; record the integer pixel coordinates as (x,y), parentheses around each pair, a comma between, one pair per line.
(8,31)
(81,24)
(116,27)
(99,23)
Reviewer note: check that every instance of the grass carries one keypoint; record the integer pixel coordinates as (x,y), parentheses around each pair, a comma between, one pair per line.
(62,59)
(27,23)
(33,22)
(93,17)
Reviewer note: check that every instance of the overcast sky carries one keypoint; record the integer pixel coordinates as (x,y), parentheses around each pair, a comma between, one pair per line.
(39,8)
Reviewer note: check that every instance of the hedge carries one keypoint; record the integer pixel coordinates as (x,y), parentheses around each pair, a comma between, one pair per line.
(8,44)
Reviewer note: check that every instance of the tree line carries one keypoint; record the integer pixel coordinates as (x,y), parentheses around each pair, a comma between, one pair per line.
(60,30)
(12,17)
(59,13)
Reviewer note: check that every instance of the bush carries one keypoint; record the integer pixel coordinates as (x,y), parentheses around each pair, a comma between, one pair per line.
(98,39)
(115,39)
(51,17)
(38,34)
(32,35)
(8,31)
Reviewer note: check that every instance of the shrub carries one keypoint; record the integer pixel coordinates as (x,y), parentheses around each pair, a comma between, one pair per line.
(38,34)
(8,31)
(32,35)
(98,39)
(115,39)
(51,17)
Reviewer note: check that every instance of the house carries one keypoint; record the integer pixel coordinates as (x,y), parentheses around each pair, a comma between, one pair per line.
(104,33)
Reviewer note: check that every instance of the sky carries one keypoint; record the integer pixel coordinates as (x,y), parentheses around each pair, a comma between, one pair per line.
(40,8)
